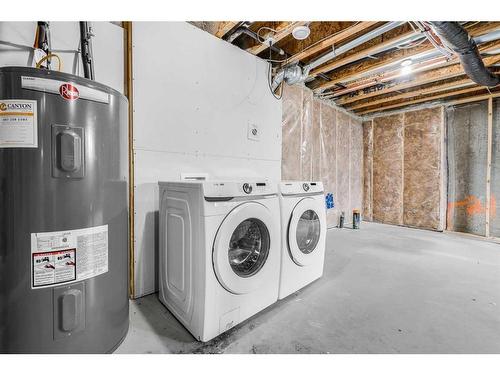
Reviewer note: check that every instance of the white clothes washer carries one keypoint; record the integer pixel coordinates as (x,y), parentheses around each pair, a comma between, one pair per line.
(220,250)
(303,230)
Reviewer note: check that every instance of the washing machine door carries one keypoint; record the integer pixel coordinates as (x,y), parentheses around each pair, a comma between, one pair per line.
(306,231)
(242,246)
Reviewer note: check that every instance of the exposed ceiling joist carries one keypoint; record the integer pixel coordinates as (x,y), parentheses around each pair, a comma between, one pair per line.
(367,77)
(421,79)
(420,67)
(393,58)
(422,100)
(225,27)
(416,93)
(476,98)
(283,31)
(377,48)
(366,69)
(331,41)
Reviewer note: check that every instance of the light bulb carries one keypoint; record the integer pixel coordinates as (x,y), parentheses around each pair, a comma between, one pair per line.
(406,69)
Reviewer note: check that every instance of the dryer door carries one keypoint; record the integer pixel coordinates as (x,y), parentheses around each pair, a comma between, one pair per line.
(242,246)
(306,231)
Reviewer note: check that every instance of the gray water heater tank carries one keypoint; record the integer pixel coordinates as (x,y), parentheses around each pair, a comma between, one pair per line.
(63,213)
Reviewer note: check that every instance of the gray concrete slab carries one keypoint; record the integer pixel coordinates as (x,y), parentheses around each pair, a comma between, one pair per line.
(385,289)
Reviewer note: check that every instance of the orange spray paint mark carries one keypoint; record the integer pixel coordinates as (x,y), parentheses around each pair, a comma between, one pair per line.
(472,206)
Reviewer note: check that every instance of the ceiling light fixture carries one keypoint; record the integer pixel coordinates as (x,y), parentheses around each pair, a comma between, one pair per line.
(406,69)
(406,62)
(301,32)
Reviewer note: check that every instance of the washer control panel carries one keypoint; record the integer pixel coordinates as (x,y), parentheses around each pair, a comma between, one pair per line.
(239,189)
(247,188)
(257,188)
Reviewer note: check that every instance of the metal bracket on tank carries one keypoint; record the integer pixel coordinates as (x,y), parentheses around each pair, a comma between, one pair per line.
(68,151)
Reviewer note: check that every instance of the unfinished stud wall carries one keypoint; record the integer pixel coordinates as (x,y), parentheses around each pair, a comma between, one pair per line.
(467,154)
(422,169)
(473,138)
(495,171)
(403,169)
(388,162)
(367,170)
(323,143)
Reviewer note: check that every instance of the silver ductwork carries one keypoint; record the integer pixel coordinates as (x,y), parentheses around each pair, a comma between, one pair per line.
(292,71)
(291,74)
(456,37)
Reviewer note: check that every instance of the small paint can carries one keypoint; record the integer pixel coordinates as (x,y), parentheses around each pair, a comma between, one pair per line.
(342,219)
(356,219)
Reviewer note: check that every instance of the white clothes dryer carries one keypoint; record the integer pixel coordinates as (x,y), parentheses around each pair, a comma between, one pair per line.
(303,230)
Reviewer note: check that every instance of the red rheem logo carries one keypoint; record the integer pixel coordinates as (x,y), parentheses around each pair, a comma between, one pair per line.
(68,91)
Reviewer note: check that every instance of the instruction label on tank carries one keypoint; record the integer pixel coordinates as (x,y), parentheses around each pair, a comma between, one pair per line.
(18,123)
(67,256)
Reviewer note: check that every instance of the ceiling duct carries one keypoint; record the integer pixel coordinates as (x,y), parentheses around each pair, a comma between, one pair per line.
(292,70)
(456,37)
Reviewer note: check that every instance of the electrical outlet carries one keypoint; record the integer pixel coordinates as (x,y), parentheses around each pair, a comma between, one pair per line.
(253,133)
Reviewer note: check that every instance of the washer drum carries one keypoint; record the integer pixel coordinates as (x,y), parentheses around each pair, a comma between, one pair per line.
(63,213)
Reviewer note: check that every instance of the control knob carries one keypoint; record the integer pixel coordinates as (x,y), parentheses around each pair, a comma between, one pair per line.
(247,188)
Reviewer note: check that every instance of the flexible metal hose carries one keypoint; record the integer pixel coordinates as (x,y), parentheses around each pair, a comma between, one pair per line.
(457,38)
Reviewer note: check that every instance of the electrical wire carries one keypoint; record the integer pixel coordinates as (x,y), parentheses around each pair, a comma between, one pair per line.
(443,48)
(46,57)
(269,79)
(264,28)
(276,61)
(272,30)
(416,44)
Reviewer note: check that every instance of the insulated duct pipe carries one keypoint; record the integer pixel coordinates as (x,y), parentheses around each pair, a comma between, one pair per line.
(291,71)
(86,47)
(457,38)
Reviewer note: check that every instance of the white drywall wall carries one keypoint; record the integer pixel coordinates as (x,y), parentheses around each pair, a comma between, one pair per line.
(194,98)
(16,42)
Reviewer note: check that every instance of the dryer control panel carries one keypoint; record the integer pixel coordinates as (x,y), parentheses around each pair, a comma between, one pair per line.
(301,187)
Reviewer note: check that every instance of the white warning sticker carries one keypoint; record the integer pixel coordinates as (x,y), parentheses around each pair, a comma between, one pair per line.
(18,123)
(64,257)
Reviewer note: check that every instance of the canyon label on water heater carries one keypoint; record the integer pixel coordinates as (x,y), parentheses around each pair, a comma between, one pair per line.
(18,123)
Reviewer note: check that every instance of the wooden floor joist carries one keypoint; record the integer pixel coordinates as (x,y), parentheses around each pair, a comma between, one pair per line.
(394,75)
(471,99)
(282,32)
(225,27)
(391,59)
(365,69)
(370,77)
(436,75)
(417,93)
(422,100)
(377,48)
(418,68)
(331,41)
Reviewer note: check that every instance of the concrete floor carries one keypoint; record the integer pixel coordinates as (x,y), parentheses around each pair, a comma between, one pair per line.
(385,289)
